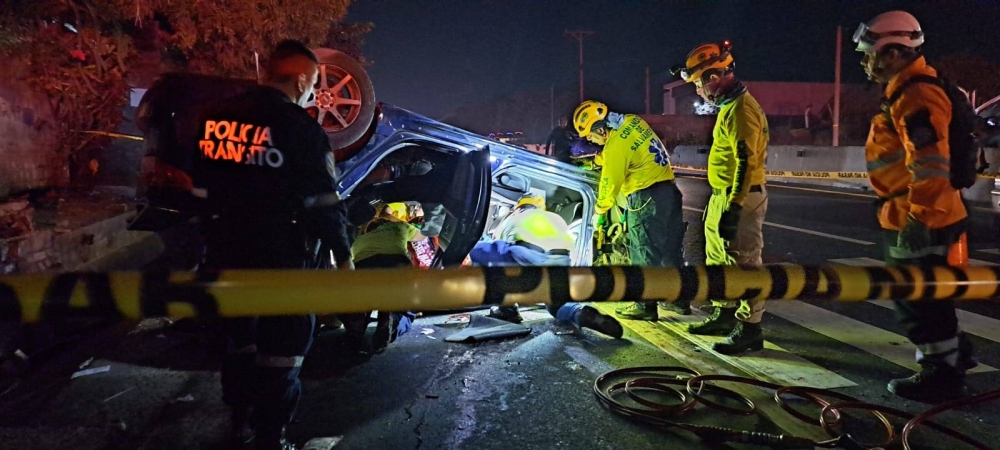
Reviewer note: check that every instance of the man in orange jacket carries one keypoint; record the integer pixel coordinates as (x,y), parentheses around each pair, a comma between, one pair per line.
(922,215)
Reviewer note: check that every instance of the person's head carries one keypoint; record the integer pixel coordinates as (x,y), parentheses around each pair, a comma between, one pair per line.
(530,201)
(710,67)
(890,42)
(590,121)
(562,122)
(293,69)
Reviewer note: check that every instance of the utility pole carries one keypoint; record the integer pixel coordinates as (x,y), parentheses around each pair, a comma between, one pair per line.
(647,90)
(580,35)
(836,90)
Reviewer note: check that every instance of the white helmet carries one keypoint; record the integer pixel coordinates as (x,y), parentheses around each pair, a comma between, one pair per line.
(893,27)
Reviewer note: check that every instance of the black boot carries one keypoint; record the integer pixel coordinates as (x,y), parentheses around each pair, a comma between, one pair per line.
(593,319)
(638,311)
(966,360)
(936,382)
(679,307)
(720,323)
(745,337)
(506,313)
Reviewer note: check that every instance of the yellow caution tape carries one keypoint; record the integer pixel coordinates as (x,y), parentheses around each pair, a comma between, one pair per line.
(238,293)
(817,174)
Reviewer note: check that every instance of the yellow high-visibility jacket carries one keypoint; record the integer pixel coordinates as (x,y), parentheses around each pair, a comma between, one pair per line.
(739,147)
(633,159)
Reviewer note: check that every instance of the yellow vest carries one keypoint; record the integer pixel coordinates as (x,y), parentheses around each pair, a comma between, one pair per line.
(739,147)
(633,159)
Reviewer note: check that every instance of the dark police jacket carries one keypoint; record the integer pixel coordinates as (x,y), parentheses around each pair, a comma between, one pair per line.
(267,172)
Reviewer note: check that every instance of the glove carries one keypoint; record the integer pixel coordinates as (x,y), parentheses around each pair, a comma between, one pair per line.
(914,237)
(729,222)
(599,221)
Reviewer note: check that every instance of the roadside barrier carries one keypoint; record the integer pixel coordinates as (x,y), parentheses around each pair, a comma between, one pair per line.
(243,293)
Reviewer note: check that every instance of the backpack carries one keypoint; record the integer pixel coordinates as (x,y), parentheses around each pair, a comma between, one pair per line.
(963,144)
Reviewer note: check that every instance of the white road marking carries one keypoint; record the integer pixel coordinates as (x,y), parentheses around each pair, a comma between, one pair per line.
(970,322)
(991,251)
(802,230)
(773,364)
(884,344)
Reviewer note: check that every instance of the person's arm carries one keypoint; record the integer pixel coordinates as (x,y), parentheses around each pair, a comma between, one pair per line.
(745,139)
(922,115)
(616,160)
(325,215)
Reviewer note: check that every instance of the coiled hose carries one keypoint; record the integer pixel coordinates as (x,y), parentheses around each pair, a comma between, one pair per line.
(611,387)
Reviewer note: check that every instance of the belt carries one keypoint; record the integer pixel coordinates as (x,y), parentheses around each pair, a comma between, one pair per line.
(754,188)
(554,252)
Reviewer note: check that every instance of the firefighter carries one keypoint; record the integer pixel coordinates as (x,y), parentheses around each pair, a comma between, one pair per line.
(267,173)
(922,215)
(532,236)
(735,211)
(635,162)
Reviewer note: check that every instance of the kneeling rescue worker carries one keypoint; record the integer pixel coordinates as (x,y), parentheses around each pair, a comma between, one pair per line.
(267,172)
(635,162)
(912,150)
(532,236)
(735,212)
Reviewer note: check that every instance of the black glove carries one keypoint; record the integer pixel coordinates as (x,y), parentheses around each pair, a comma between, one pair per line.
(729,222)
(914,237)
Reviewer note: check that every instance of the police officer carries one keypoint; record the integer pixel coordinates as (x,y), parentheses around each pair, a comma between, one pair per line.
(735,212)
(267,173)
(635,163)
(922,215)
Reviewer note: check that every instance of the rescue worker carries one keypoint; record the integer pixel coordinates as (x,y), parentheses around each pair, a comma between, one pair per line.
(532,236)
(267,174)
(922,216)
(635,162)
(735,211)
(382,244)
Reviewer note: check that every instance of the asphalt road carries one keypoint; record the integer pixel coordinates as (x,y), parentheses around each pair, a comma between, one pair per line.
(161,389)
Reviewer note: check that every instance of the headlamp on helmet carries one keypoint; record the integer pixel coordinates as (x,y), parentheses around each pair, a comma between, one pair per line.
(705,57)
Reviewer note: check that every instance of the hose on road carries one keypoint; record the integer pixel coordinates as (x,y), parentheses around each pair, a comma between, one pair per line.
(627,392)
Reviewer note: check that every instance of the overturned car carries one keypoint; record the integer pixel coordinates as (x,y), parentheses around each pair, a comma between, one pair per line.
(465,182)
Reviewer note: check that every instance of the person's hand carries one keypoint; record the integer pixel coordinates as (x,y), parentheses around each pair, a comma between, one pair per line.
(914,237)
(599,220)
(729,222)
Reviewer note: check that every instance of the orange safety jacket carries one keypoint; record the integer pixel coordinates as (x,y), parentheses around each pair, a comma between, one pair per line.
(908,157)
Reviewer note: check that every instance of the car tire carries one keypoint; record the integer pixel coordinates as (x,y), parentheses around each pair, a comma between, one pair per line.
(344,100)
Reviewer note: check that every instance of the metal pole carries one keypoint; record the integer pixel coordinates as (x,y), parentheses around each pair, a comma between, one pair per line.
(836,91)
(251,293)
(580,36)
(647,90)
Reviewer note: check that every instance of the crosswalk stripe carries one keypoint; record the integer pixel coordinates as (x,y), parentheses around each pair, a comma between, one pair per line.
(884,344)
(972,323)
(874,262)
(991,251)
(773,364)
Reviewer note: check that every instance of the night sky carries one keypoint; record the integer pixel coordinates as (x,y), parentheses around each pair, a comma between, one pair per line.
(432,56)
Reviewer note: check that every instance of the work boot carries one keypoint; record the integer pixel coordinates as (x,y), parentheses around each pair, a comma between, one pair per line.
(638,311)
(679,307)
(934,383)
(720,323)
(593,319)
(506,313)
(746,337)
(966,361)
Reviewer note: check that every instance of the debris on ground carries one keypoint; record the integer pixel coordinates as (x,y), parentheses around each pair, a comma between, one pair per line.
(118,394)
(87,372)
(86,363)
(325,443)
(185,399)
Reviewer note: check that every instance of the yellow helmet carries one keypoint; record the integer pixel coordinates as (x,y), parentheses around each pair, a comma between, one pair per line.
(397,210)
(531,199)
(705,57)
(587,114)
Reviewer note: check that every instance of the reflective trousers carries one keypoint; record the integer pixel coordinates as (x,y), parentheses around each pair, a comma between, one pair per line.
(744,250)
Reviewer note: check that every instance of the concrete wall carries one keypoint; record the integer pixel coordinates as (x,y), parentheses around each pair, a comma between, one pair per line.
(825,159)
(28,157)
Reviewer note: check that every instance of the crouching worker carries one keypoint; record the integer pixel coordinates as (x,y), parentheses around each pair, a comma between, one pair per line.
(382,244)
(532,236)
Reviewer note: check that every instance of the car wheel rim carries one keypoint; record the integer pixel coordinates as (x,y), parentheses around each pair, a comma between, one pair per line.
(336,104)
